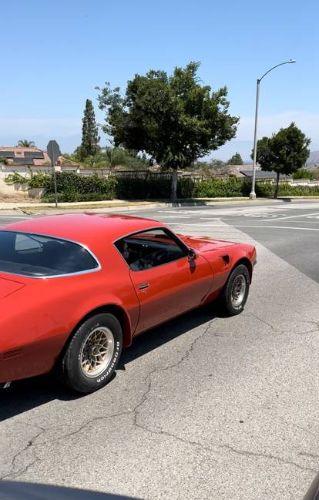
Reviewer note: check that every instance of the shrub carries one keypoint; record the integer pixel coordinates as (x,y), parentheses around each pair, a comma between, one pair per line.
(303,173)
(73,187)
(39,180)
(152,187)
(215,188)
(285,189)
(16,178)
(136,188)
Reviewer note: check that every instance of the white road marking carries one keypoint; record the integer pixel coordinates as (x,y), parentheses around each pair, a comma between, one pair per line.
(209,218)
(175,216)
(295,216)
(263,216)
(282,227)
(315,221)
(196,224)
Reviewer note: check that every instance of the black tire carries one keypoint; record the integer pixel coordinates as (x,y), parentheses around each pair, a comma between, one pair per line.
(84,345)
(227,299)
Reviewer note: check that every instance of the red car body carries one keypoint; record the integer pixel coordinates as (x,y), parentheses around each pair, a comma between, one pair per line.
(38,315)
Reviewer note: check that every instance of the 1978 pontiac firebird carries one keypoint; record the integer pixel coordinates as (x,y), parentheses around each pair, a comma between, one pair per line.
(76,289)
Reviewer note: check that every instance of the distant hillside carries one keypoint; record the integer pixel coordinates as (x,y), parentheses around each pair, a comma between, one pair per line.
(313,159)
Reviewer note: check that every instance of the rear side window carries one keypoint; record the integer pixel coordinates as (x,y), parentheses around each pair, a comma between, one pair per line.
(149,249)
(39,256)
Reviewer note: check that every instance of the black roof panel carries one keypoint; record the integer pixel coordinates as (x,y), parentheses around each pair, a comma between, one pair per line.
(36,155)
(6,154)
(23,161)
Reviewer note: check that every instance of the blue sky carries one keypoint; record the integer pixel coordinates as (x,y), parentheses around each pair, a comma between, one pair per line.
(53,54)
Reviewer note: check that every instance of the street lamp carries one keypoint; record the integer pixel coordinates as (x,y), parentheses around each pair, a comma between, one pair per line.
(252,195)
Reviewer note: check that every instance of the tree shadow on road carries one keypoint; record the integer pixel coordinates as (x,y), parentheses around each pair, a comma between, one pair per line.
(31,393)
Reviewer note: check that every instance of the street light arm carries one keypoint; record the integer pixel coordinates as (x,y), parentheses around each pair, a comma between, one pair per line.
(291,61)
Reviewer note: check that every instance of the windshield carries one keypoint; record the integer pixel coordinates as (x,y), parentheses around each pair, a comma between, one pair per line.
(39,256)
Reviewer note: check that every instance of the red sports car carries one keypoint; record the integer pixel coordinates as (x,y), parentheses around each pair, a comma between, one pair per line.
(75,289)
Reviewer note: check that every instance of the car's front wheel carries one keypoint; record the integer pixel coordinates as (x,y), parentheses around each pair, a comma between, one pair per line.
(235,293)
(93,353)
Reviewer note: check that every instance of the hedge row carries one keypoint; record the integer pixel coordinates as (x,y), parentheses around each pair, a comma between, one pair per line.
(74,187)
(267,190)
(220,188)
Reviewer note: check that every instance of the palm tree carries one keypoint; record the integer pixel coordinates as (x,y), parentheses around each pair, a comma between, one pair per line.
(24,143)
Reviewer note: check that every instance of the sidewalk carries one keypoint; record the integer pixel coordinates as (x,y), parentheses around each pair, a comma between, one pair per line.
(112,205)
(118,205)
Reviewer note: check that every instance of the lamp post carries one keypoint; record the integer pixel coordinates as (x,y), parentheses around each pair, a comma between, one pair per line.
(252,195)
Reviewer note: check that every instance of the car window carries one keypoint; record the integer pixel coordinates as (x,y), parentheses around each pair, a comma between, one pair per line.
(39,256)
(148,249)
(24,242)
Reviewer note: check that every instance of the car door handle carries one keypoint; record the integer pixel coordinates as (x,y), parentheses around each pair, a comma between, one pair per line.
(142,286)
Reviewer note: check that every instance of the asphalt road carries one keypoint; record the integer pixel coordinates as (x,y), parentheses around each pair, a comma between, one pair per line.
(290,230)
(205,406)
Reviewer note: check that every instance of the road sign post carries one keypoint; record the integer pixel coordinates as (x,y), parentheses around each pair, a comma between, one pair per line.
(54,152)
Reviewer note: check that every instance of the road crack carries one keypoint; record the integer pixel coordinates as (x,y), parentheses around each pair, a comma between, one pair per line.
(32,443)
(137,410)
(278,330)
(266,456)
(13,473)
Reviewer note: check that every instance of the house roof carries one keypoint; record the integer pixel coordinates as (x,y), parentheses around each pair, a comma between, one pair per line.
(261,174)
(17,155)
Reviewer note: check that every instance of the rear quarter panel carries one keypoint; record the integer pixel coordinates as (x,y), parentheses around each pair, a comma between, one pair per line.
(38,318)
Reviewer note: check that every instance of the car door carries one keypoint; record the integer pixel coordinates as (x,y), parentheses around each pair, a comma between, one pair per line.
(166,280)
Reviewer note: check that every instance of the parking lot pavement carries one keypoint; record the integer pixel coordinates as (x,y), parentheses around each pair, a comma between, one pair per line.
(203,407)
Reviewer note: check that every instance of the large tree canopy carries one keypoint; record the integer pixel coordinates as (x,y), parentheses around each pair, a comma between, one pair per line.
(284,152)
(174,119)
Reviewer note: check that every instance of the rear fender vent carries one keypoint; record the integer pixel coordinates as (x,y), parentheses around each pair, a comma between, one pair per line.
(226,259)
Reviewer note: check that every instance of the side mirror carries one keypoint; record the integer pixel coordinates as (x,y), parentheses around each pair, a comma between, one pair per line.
(191,254)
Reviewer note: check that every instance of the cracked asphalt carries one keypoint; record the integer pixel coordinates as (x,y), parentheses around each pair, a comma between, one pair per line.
(203,407)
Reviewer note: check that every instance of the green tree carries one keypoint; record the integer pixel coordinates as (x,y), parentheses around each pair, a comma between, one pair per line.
(174,119)
(236,159)
(24,143)
(284,152)
(90,134)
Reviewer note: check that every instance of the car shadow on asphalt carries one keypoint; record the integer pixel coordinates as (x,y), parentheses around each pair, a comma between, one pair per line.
(31,393)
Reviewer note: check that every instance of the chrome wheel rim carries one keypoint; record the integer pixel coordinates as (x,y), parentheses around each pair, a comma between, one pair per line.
(97,351)
(238,290)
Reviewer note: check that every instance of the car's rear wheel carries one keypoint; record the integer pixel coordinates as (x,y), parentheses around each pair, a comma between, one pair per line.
(235,293)
(93,353)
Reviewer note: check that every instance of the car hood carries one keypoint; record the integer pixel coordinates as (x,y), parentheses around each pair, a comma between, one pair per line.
(9,286)
(204,244)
